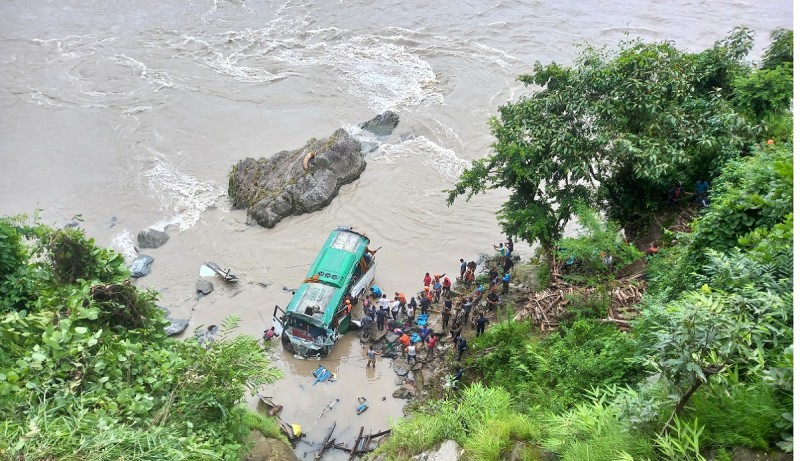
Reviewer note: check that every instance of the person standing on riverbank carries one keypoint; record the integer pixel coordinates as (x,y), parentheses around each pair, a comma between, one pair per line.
(480,325)
(446,284)
(462,347)
(395,308)
(466,307)
(380,318)
(424,304)
(446,310)
(506,281)
(463,270)
(411,353)
(458,321)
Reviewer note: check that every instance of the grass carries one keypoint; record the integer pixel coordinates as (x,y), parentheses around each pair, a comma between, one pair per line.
(494,440)
(465,418)
(266,425)
(746,415)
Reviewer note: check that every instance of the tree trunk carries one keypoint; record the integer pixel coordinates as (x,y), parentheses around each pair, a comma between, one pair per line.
(682,403)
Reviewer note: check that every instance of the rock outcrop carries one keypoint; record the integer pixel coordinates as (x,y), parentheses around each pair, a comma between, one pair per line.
(383,124)
(152,238)
(303,180)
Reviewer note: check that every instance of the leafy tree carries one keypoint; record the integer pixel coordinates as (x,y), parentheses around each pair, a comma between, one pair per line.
(780,51)
(754,192)
(615,129)
(87,373)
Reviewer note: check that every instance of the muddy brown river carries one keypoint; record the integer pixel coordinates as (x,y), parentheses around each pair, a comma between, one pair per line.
(131,114)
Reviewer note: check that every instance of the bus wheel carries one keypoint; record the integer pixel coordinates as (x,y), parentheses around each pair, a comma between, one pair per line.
(286,343)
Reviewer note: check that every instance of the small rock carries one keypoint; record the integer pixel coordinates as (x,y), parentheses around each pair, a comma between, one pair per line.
(401,393)
(152,238)
(140,266)
(204,286)
(449,450)
(176,326)
(401,366)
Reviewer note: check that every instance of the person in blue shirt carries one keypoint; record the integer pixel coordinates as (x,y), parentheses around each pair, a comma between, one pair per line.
(424,332)
(506,280)
(462,347)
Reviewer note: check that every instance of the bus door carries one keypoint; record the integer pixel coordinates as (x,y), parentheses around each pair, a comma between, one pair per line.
(277,320)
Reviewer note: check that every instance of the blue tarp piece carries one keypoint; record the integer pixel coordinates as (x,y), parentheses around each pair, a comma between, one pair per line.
(322,374)
(422,319)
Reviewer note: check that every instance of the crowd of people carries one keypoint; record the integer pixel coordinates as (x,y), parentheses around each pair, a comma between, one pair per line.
(465,305)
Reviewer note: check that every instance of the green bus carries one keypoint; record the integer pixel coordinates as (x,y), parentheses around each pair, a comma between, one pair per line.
(318,313)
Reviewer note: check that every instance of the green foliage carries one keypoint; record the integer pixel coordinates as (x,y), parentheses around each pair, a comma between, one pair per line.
(16,281)
(752,193)
(495,439)
(594,430)
(554,372)
(597,239)
(739,415)
(780,51)
(632,122)
(764,92)
(87,373)
(269,427)
(683,444)
(459,419)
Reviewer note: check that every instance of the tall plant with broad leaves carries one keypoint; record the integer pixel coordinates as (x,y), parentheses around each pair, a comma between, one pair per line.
(615,130)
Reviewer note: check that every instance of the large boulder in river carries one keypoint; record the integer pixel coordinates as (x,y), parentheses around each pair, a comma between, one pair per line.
(298,181)
(383,124)
(152,238)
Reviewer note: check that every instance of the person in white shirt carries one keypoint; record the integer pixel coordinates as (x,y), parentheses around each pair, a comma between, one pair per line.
(384,303)
(411,353)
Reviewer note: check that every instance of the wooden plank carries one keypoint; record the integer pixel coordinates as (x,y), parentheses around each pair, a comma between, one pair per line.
(353,452)
(326,443)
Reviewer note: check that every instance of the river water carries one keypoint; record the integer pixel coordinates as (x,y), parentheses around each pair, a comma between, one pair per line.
(131,114)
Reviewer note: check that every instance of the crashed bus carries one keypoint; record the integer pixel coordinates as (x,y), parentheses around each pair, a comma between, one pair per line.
(317,314)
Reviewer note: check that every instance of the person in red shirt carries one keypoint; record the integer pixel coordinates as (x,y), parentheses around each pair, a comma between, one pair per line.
(431,345)
(426,282)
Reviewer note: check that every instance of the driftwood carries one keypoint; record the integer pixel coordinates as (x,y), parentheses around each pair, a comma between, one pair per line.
(546,307)
(327,443)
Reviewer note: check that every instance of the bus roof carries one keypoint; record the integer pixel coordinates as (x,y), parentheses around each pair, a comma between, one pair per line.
(334,265)
(337,259)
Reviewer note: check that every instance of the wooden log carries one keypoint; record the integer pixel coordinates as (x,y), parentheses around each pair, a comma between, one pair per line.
(354,451)
(616,321)
(326,443)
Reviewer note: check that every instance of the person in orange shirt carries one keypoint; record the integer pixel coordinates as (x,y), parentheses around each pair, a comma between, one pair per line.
(400,297)
(446,284)
(405,341)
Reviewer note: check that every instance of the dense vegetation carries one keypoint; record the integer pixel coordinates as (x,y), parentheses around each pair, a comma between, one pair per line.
(86,372)
(707,366)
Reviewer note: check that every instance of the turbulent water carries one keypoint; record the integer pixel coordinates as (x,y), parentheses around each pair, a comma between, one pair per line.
(132,113)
